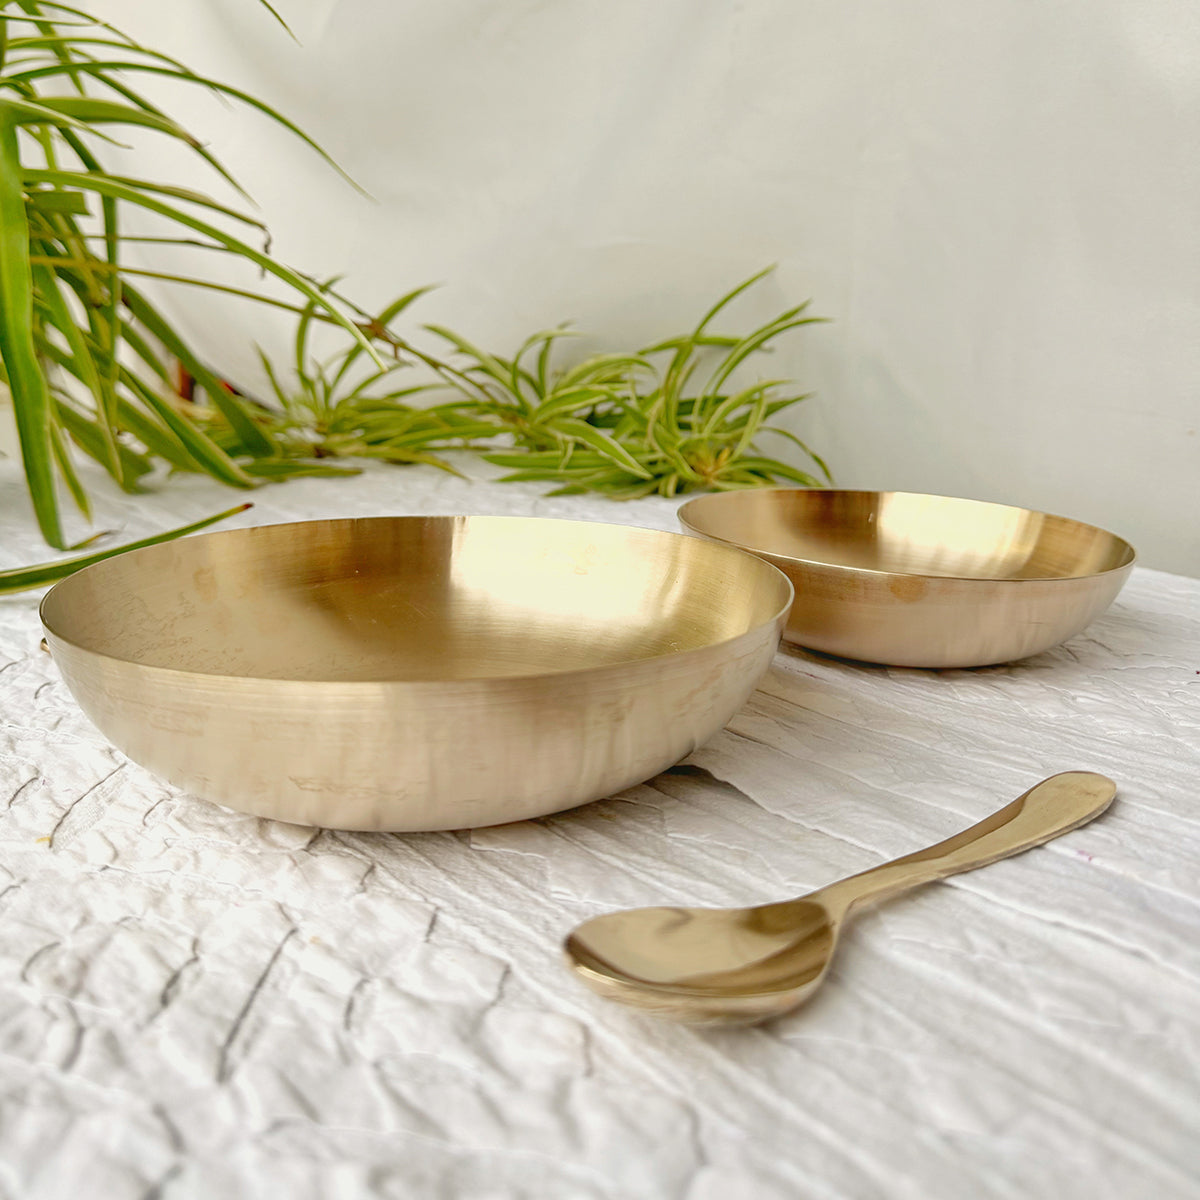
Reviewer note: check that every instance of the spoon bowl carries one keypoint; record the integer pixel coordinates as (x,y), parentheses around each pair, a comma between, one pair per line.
(709,966)
(741,966)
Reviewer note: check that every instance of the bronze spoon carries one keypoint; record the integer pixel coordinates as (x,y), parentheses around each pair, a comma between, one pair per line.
(739,966)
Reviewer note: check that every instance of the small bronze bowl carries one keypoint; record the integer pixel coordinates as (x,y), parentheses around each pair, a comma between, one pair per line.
(921,581)
(408,673)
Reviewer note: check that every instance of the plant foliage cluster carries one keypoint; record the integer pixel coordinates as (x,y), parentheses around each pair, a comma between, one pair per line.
(664,420)
(86,353)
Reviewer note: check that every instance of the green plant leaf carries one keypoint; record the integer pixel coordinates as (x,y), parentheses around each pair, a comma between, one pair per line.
(88,436)
(31,396)
(255,441)
(32,112)
(572,400)
(122,89)
(144,351)
(754,342)
(786,433)
(157,438)
(289,468)
(770,467)
(485,363)
(45,201)
(728,298)
(690,341)
(730,404)
(602,368)
(602,443)
(380,324)
(86,369)
(96,267)
(274,12)
(198,444)
(101,68)
(122,190)
(66,469)
(83,112)
(25,578)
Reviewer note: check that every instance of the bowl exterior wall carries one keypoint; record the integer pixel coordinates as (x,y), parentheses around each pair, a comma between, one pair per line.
(913,621)
(416,756)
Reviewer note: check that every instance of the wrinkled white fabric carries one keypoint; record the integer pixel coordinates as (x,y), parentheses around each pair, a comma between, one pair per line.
(206,1004)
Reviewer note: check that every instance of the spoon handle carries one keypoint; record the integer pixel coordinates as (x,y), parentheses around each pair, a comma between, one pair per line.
(1054,806)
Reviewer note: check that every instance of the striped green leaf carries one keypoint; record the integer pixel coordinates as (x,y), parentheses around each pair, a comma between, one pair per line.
(18,350)
(25,578)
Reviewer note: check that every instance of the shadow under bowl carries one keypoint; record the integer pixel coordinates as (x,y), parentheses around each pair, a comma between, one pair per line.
(921,581)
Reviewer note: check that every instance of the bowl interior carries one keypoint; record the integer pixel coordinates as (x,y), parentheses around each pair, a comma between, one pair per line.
(414,598)
(907,533)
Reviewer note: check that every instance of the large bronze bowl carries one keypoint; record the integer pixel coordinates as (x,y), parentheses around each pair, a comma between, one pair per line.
(406,673)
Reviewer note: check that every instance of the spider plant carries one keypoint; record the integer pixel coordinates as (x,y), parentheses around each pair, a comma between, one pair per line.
(543,410)
(344,407)
(629,425)
(85,353)
(620,424)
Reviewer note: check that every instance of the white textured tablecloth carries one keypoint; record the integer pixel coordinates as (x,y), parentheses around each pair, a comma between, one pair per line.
(197,1003)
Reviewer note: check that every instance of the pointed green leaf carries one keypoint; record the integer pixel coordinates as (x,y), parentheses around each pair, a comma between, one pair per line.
(255,441)
(602,443)
(86,368)
(754,342)
(87,435)
(30,112)
(772,467)
(101,69)
(198,444)
(724,411)
(729,297)
(31,397)
(66,468)
(791,437)
(25,578)
(87,111)
(121,190)
(45,201)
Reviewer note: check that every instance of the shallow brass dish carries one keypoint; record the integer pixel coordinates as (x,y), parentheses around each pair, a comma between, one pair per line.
(405,673)
(921,581)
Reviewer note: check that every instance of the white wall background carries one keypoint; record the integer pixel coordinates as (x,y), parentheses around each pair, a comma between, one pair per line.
(997,204)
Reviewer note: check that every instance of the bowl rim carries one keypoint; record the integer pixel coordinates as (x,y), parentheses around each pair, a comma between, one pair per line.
(720,497)
(777,617)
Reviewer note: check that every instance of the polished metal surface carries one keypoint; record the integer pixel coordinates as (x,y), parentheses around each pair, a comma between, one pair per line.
(740,966)
(921,581)
(405,673)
